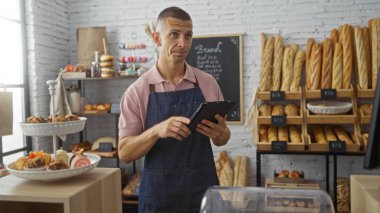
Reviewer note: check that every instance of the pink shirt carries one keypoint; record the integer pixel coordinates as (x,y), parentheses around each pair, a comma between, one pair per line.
(134,102)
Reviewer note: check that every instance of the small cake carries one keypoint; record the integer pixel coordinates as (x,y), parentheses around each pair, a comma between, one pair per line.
(61,156)
(78,160)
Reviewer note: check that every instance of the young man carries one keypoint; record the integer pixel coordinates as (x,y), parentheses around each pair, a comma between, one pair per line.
(155,111)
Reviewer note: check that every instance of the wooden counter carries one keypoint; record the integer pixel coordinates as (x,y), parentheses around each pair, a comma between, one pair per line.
(96,191)
(365,193)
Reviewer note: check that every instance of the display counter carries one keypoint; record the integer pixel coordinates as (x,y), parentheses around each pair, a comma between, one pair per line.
(365,193)
(95,191)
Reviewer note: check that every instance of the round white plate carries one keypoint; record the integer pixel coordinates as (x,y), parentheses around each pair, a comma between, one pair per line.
(329,107)
(48,129)
(55,174)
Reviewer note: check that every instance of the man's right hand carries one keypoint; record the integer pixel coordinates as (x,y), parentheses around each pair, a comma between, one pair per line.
(173,127)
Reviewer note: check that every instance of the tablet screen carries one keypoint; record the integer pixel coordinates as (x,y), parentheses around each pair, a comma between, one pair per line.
(208,110)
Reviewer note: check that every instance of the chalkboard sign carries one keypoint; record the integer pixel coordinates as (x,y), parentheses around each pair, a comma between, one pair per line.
(221,56)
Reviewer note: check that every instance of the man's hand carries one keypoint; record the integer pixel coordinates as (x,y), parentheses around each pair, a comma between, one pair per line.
(218,132)
(173,127)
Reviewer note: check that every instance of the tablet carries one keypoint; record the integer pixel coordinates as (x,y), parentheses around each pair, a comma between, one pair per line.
(208,110)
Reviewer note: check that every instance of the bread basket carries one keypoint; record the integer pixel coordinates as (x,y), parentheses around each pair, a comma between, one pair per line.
(329,107)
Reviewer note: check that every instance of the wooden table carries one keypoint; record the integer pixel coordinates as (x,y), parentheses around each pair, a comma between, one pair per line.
(95,191)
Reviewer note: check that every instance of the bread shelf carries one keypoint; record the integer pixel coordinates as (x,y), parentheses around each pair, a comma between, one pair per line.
(340,93)
(288,95)
(365,93)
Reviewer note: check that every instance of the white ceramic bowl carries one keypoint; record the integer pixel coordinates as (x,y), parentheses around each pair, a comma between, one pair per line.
(329,107)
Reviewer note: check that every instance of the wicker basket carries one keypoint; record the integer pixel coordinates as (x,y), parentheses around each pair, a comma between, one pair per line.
(48,129)
(343,195)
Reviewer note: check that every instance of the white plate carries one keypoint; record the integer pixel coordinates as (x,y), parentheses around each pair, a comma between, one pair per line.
(53,175)
(329,107)
(48,129)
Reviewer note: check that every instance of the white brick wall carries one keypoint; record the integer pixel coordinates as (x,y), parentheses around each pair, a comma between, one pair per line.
(294,20)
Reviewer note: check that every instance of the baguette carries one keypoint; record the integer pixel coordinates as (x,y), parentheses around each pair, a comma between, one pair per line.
(367,47)
(342,134)
(298,64)
(315,66)
(337,73)
(287,67)
(226,175)
(346,41)
(272,134)
(240,171)
(295,136)
(221,161)
(309,47)
(327,64)
(334,36)
(330,136)
(263,134)
(283,133)
(277,63)
(374,28)
(266,73)
(362,69)
(263,42)
(318,134)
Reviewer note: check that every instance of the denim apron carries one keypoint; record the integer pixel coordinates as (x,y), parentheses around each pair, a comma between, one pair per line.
(176,173)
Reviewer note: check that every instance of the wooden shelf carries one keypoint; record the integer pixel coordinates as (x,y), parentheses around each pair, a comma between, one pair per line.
(101,79)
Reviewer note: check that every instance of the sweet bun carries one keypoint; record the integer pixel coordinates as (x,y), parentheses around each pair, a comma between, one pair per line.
(107,69)
(106,64)
(106,58)
(107,74)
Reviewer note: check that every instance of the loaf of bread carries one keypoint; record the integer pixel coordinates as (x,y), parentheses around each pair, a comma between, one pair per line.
(318,135)
(226,175)
(277,63)
(283,133)
(346,40)
(342,134)
(334,36)
(315,66)
(287,67)
(309,47)
(132,184)
(367,47)
(295,136)
(272,133)
(240,171)
(329,133)
(298,65)
(366,109)
(278,109)
(337,73)
(374,29)
(361,60)
(221,161)
(265,110)
(266,72)
(292,110)
(263,42)
(327,64)
(263,134)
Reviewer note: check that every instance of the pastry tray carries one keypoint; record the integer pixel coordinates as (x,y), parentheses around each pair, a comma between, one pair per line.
(57,128)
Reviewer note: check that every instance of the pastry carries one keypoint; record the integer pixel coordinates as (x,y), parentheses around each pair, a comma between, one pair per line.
(366,109)
(266,72)
(298,65)
(283,134)
(36,119)
(263,134)
(277,63)
(295,136)
(318,134)
(315,66)
(57,165)
(361,58)
(61,155)
(309,47)
(330,135)
(337,72)
(265,110)
(342,134)
(346,40)
(79,160)
(272,134)
(291,110)
(327,64)
(71,117)
(278,109)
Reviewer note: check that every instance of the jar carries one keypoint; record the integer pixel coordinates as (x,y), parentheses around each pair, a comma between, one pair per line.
(73,95)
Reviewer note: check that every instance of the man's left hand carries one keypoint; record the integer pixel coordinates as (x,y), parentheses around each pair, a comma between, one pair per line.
(218,132)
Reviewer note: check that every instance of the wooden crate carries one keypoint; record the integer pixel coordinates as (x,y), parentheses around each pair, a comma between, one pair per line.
(307,184)
(288,95)
(289,119)
(331,119)
(365,93)
(340,93)
(363,119)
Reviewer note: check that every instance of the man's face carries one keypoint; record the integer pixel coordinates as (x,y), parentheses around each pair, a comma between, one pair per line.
(175,39)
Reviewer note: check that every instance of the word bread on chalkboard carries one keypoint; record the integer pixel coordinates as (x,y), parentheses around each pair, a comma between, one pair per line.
(221,57)
(281,66)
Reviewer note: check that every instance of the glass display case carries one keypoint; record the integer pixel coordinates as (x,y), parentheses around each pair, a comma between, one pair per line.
(254,199)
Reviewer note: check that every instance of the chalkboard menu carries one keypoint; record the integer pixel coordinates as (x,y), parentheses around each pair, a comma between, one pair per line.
(221,56)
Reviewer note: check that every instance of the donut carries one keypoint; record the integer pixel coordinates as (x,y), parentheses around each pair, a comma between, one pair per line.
(107,69)
(106,64)
(106,58)
(107,74)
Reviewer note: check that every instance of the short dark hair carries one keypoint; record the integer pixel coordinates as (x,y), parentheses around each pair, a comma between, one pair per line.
(174,12)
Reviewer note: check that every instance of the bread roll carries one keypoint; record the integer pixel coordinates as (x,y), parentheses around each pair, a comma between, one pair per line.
(309,47)
(266,73)
(361,58)
(265,110)
(295,136)
(334,36)
(287,67)
(291,110)
(315,66)
(272,133)
(278,109)
(342,134)
(327,64)
(346,41)
(329,133)
(283,133)
(367,47)
(263,134)
(298,64)
(277,63)
(318,134)
(337,73)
